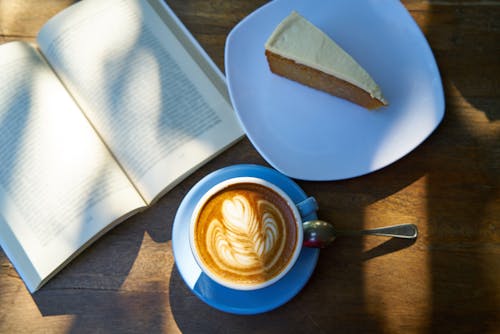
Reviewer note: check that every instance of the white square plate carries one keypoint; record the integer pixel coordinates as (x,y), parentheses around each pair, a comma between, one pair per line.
(310,135)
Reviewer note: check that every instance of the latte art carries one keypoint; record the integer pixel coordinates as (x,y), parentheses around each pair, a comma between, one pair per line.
(246,240)
(246,234)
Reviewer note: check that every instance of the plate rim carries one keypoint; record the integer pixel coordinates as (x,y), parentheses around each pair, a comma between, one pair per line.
(437,93)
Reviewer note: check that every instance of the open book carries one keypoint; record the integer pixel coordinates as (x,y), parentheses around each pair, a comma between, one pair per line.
(115,105)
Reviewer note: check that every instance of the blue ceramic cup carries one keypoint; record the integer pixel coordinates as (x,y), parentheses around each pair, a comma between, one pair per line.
(244,234)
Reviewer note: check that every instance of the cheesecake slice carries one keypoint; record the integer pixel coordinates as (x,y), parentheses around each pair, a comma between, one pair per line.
(301,52)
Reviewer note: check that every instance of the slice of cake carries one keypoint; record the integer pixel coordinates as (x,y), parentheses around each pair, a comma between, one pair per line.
(301,52)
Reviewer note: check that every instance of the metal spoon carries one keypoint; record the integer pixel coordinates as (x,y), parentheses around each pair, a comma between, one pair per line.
(319,234)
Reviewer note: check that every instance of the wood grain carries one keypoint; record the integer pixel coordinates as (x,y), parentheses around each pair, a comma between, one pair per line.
(448,281)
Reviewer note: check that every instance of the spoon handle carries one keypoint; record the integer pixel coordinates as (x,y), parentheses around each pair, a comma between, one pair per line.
(407,231)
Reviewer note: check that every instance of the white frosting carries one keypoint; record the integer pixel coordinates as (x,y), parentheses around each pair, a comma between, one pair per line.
(297,39)
(243,242)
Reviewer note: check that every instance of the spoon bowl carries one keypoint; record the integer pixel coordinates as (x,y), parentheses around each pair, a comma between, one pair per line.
(319,234)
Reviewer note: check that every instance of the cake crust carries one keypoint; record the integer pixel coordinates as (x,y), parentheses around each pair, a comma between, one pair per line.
(319,80)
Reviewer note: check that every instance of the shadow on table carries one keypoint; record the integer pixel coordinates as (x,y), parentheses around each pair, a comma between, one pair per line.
(463,180)
(107,288)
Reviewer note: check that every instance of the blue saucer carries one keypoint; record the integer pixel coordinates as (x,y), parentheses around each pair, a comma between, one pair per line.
(216,295)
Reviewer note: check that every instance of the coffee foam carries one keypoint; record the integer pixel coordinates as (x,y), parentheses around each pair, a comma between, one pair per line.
(246,234)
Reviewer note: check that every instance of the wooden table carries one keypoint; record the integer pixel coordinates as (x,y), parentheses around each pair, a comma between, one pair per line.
(448,281)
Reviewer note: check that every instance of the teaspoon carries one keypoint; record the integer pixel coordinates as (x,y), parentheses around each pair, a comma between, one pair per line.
(319,234)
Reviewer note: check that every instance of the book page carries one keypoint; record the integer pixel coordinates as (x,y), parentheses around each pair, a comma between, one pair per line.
(153,105)
(59,185)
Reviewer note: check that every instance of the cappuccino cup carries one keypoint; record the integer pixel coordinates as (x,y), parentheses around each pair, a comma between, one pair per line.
(246,233)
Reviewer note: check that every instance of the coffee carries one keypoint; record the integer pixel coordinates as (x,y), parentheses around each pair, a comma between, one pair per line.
(246,234)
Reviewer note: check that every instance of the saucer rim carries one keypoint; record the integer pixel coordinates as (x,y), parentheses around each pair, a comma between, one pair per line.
(308,257)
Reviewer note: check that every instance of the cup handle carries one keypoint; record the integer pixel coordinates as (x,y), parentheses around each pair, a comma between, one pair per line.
(307,207)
